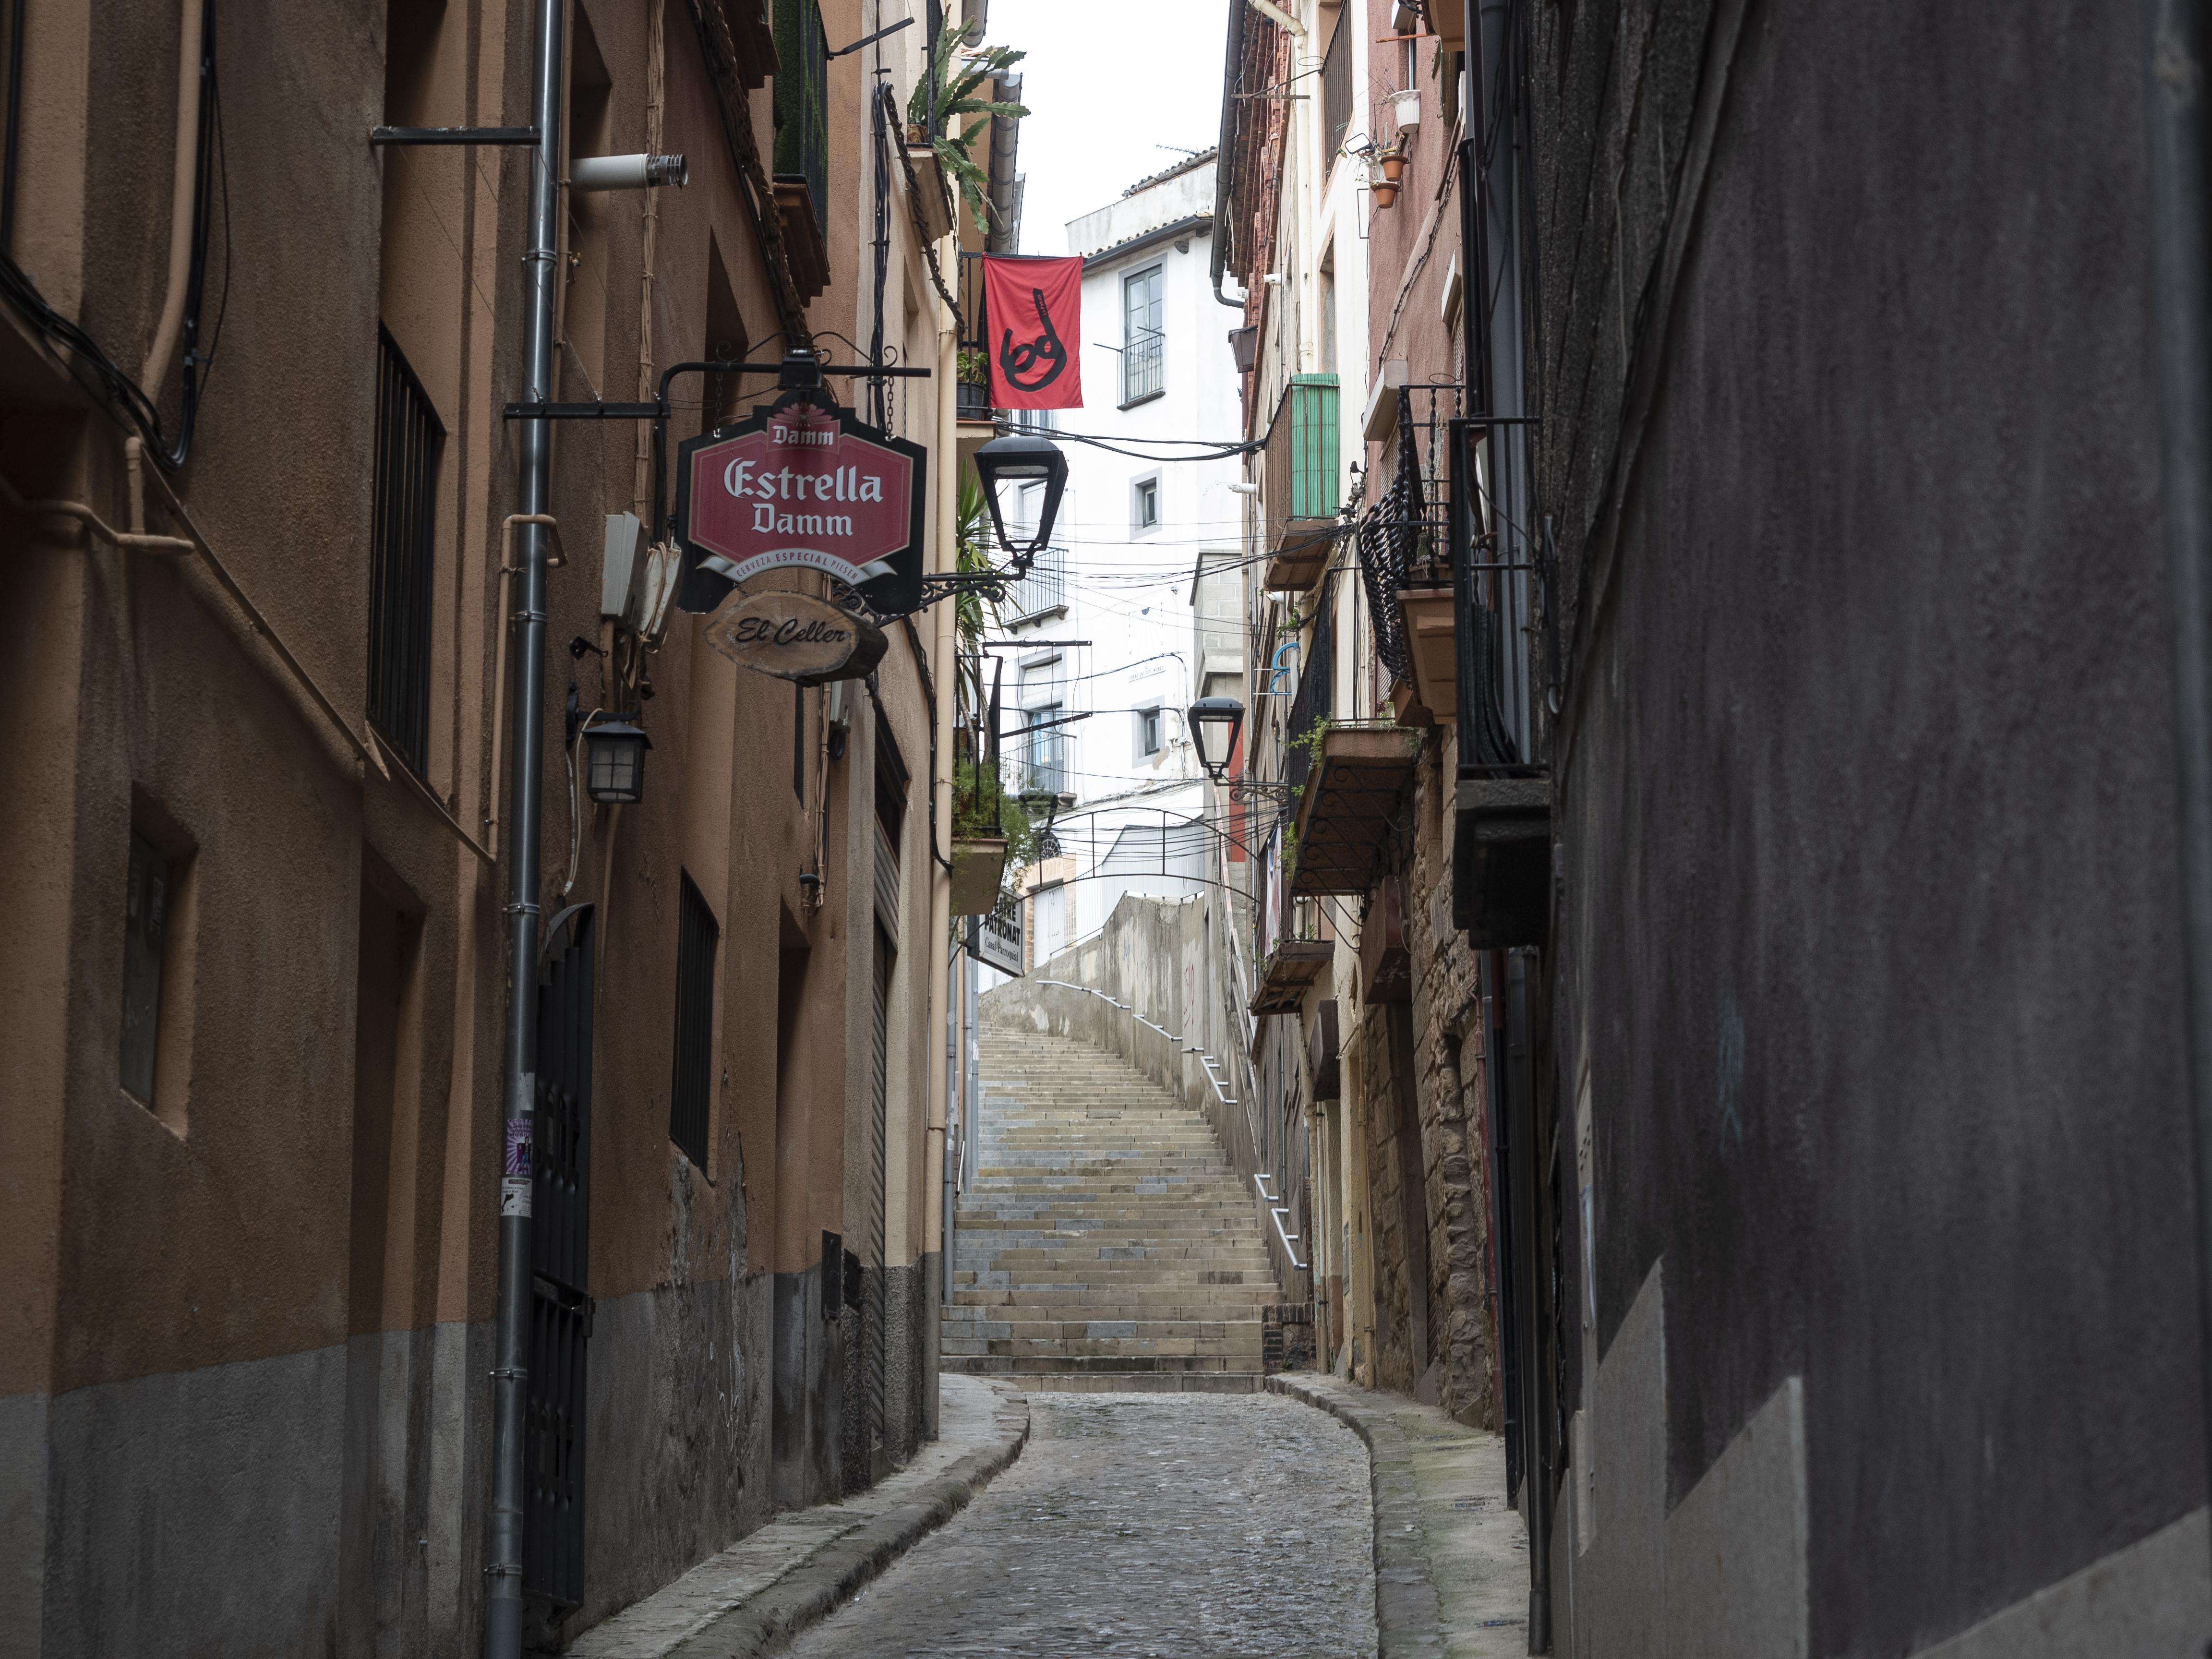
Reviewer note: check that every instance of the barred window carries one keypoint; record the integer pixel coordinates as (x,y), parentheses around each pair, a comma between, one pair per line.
(402,554)
(1144,314)
(690,1090)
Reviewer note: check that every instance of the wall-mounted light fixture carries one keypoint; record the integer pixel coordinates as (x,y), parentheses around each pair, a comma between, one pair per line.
(1213,724)
(1019,458)
(614,762)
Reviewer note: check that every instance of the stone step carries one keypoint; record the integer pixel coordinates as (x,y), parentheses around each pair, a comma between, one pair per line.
(1008,1364)
(1105,1234)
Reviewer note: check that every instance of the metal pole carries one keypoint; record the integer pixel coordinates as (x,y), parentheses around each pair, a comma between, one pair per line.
(503,1604)
(2181,273)
(947,1146)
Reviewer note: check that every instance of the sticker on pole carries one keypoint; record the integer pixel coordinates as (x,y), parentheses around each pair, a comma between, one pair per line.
(799,486)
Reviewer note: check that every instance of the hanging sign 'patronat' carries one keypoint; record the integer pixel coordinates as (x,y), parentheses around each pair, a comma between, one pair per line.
(800,485)
(795,637)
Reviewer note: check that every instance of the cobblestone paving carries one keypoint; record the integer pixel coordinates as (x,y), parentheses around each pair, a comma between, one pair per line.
(1141,1527)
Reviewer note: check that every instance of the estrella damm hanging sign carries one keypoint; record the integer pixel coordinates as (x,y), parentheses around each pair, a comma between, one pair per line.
(798,485)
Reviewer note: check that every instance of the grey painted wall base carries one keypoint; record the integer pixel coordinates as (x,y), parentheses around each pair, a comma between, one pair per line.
(1724,1575)
(331,1502)
(676,1450)
(22,1523)
(328,1502)
(2151,1601)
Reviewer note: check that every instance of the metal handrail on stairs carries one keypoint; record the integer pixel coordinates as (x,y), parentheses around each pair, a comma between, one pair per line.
(1205,1060)
(1279,1211)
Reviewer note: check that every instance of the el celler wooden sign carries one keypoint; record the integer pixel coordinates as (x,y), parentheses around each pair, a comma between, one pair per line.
(795,637)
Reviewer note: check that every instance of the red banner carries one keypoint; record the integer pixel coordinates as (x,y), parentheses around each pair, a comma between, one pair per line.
(1033,314)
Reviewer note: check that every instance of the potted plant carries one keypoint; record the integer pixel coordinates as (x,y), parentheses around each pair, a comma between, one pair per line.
(991,839)
(1392,160)
(958,72)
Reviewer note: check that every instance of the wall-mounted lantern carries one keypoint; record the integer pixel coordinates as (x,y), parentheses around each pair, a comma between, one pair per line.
(614,762)
(1011,462)
(1214,723)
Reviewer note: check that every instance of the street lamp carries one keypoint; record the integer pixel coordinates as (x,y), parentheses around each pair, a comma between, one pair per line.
(614,765)
(1214,723)
(1019,458)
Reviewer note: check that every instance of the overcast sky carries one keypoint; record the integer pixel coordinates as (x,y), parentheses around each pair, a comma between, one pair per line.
(1105,86)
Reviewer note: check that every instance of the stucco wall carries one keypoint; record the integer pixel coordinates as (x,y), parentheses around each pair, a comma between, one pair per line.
(1868,903)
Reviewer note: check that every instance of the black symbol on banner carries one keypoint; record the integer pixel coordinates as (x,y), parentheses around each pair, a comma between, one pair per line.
(1017,361)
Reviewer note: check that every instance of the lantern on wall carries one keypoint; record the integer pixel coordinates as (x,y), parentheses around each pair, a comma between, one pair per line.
(614,762)
(1213,724)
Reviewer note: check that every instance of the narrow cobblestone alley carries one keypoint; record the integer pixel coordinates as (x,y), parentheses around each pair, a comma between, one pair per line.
(1141,1525)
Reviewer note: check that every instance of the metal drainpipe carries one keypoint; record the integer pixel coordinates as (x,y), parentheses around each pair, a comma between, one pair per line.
(503,1605)
(955,1011)
(2181,272)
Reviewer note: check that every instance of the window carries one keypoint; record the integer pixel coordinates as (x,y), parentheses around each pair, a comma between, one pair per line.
(1044,751)
(1328,309)
(801,103)
(691,1089)
(1148,732)
(145,921)
(402,554)
(1336,95)
(1144,314)
(1145,505)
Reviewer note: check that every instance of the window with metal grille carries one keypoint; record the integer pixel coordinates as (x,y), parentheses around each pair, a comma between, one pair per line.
(402,554)
(1144,314)
(802,102)
(691,1089)
(1335,94)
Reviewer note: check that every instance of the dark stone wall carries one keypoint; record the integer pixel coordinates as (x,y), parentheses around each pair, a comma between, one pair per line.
(1867,916)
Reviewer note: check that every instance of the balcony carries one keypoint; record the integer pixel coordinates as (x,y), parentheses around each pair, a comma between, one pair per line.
(1288,973)
(801,183)
(1040,593)
(1502,833)
(1386,966)
(1302,471)
(1405,540)
(1349,806)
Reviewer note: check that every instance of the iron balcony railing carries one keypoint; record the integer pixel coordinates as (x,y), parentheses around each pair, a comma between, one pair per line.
(1044,763)
(975,345)
(802,102)
(1310,705)
(1496,602)
(1045,588)
(1404,537)
(402,554)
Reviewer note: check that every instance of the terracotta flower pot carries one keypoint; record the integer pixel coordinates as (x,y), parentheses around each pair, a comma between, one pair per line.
(1394,165)
(1386,193)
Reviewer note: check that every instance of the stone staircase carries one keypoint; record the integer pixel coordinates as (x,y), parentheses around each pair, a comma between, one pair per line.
(1106,1236)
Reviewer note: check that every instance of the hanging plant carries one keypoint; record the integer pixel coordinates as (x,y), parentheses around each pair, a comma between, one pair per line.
(958,73)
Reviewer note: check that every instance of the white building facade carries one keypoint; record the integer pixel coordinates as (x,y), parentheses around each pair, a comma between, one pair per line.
(1103,653)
